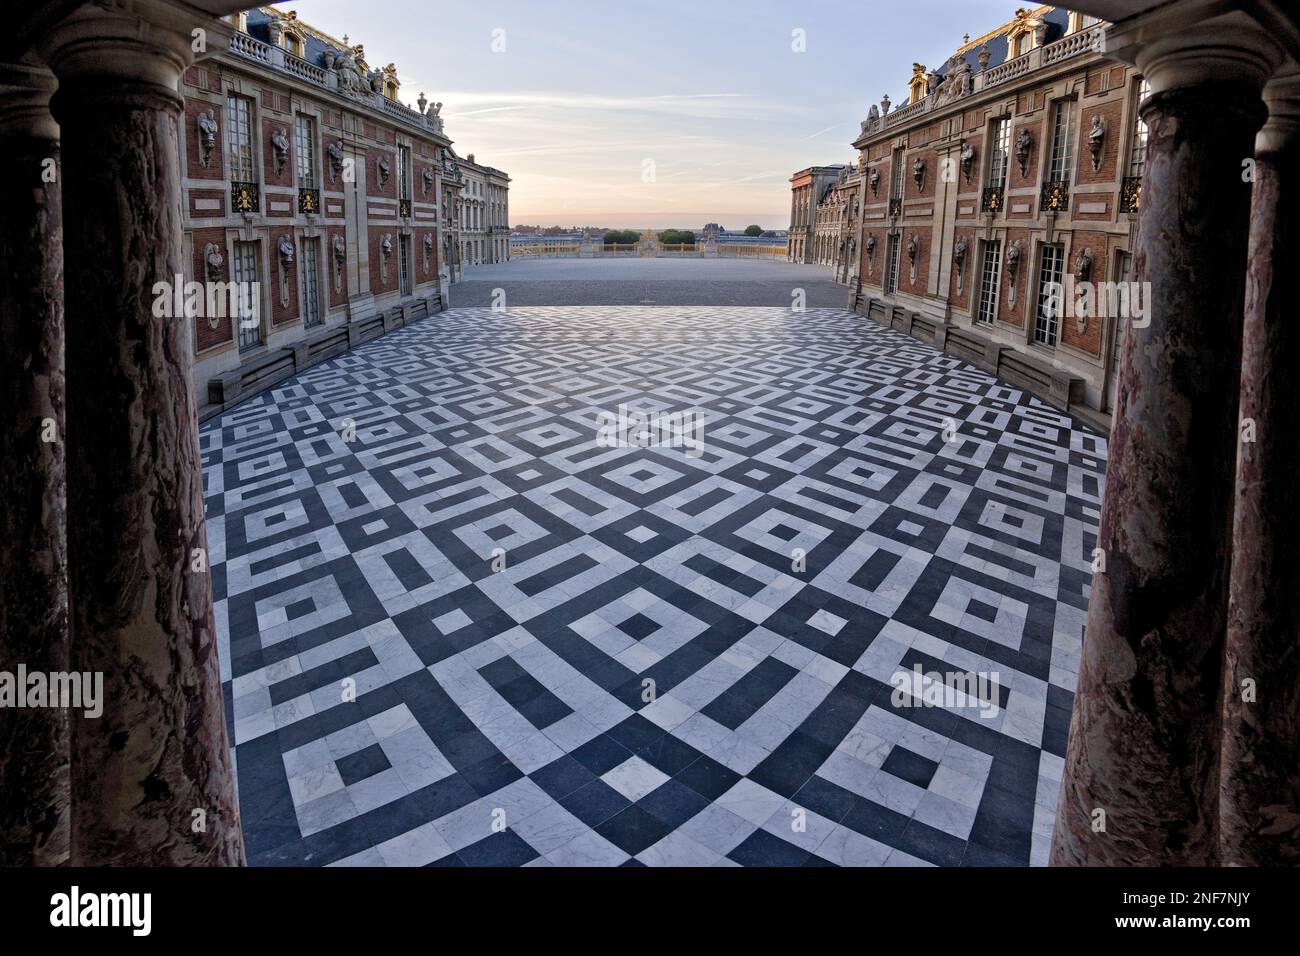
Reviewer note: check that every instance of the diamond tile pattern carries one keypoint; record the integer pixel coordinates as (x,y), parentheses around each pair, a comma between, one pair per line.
(455,629)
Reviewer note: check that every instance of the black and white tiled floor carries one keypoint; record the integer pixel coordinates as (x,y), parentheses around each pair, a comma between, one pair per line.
(653,677)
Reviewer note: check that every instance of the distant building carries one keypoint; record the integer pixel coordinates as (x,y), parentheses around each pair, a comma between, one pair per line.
(483,211)
(807,188)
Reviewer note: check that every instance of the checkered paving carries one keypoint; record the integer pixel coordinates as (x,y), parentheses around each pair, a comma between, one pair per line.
(457,629)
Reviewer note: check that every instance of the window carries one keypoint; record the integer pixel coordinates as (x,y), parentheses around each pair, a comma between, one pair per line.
(308,250)
(1059,166)
(1000,141)
(1051,262)
(1138,152)
(891,265)
(239,135)
(896,175)
(403,263)
(244,274)
(305,134)
(404,172)
(988,304)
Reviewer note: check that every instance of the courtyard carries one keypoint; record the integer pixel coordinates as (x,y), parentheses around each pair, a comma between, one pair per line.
(455,629)
(664,280)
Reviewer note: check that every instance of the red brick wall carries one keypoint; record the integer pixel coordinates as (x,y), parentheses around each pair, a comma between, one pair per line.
(905,283)
(1017,315)
(270,178)
(1089,340)
(378,283)
(931,174)
(1030,175)
(194,167)
(871,270)
(373,185)
(281,314)
(206,336)
(218,194)
(426,274)
(339,297)
(970,276)
(1112,115)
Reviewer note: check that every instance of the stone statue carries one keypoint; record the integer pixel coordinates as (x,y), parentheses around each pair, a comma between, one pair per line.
(207,125)
(1024,142)
(350,78)
(1083,265)
(340,250)
(959,254)
(386,245)
(213,263)
(1096,141)
(1013,260)
(874,181)
(426,177)
(384,169)
(335,152)
(871,245)
(279,148)
(1013,270)
(873,117)
(376,80)
(913,247)
(967,160)
(435,117)
(285,248)
(918,173)
(422,102)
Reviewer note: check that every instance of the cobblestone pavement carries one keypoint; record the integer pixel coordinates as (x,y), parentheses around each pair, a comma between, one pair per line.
(457,627)
(658,281)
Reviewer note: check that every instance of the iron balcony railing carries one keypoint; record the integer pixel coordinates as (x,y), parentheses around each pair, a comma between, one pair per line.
(992,199)
(1130,193)
(309,201)
(1055,196)
(245,197)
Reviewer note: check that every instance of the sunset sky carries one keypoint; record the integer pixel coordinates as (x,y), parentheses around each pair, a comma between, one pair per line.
(708,96)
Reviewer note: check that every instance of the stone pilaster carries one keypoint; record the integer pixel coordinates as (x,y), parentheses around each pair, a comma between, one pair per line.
(1142,759)
(151,777)
(34,812)
(1259,770)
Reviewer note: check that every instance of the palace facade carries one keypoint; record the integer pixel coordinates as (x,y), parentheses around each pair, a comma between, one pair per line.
(807,189)
(306,180)
(1015,164)
(484,214)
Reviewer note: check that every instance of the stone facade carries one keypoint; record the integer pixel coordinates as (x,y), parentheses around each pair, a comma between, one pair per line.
(1009,167)
(304,172)
(808,187)
(484,214)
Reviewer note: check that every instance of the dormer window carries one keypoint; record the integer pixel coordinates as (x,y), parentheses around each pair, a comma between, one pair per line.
(1081,21)
(390,90)
(293,44)
(239,21)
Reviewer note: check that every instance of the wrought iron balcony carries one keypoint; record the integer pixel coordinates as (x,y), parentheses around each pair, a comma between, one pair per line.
(895,207)
(992,200)
(1130,192)
(1056,196)
(245,197)
(309,201)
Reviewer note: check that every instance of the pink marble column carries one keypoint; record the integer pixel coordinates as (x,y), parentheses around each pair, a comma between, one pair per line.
(34,801)
(1260,761)
(1141,779)
(151,777)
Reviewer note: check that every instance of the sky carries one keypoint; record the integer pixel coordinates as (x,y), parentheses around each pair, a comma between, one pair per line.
(655,113)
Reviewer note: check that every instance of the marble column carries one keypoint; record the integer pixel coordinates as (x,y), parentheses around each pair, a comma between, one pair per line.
(34,803)
(1259,815)
(1141,768)
(151,777)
